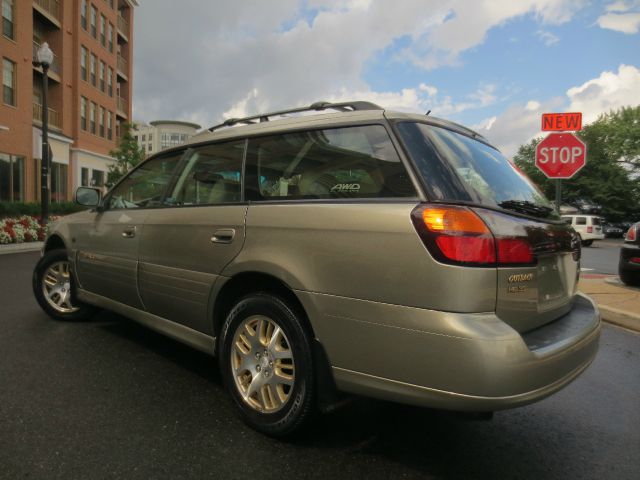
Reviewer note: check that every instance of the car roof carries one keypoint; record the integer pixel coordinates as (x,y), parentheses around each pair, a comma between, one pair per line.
(322,120)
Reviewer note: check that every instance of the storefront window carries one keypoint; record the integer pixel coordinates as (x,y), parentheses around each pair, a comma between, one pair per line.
(11,178)
(59,175)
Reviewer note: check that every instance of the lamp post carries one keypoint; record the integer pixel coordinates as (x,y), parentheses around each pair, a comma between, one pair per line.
(45,59)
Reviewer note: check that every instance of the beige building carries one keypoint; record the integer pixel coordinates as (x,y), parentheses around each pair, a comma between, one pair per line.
(162,134)
(89,85)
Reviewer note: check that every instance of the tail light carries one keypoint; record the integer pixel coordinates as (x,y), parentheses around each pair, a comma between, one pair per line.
(589,229)
(631,234)
(461,236)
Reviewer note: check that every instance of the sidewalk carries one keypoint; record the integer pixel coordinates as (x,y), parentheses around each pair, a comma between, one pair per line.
(21,247)
(618,303)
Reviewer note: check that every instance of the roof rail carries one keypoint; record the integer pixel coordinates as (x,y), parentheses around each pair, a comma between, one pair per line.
(317,106)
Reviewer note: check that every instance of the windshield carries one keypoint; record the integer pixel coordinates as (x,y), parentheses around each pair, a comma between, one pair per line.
(455,167)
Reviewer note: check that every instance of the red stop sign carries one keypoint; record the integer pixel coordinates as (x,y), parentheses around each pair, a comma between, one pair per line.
(561,155)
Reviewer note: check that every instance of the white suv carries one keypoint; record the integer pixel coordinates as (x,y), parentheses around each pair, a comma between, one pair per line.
(589,227)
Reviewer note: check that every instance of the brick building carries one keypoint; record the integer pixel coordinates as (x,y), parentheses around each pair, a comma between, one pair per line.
(89,92)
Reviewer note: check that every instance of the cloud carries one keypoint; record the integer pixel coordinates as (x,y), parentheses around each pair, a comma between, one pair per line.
(211,59)
(548,38)
(622,17)
(521,123)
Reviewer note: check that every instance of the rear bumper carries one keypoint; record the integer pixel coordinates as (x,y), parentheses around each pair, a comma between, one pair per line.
(592,236)
(627,252)
(452,361)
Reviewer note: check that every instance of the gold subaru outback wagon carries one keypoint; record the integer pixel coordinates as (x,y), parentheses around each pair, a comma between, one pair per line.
(353,250)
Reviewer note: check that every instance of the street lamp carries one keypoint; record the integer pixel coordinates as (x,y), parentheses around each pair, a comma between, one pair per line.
(45,59)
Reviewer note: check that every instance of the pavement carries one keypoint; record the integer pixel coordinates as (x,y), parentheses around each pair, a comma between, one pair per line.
(618,303)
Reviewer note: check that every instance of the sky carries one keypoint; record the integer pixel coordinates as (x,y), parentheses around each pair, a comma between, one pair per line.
(492,65)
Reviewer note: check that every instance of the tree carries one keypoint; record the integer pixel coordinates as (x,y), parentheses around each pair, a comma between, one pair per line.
(127,155)
(611,176)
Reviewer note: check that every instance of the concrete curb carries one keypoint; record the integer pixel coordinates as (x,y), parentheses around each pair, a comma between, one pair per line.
(621,318)
(20,247)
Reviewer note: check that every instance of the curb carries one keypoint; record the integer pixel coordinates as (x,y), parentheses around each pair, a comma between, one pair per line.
(21,247)
(621,318)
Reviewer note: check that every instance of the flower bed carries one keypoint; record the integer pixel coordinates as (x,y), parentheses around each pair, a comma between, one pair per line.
(22,229)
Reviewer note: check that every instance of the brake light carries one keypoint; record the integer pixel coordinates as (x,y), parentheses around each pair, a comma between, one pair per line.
(631,234)
(589,229)
(634,259)
(458,235)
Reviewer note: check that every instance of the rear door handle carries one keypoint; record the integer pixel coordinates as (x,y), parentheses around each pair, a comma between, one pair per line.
(223,235)
(129,232)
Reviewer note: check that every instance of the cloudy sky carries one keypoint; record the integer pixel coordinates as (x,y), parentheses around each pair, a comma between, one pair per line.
(494,65)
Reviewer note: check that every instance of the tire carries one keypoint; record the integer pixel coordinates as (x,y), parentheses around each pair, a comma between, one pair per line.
(268,372)
(629,278)
(587,243)
(57,295)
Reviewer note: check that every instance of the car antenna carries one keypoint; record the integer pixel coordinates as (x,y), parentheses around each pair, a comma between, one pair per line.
(428,112)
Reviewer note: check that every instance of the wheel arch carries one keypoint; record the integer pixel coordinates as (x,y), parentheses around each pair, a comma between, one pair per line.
(54,242)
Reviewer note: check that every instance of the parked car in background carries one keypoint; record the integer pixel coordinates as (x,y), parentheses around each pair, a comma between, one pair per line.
(589,227)
(612,230)
(362,251)
(587,206)
(629,265)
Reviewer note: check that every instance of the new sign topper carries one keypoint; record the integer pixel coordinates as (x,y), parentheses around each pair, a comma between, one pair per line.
(561,122)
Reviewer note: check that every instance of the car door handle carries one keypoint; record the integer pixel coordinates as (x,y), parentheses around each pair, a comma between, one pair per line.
(224,235)
(129,232)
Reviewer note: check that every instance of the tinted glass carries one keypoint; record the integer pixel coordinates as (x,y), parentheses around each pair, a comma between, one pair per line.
(355,162)
(457,167)
(581,221)
(595,220)
(145,186)
(211,175)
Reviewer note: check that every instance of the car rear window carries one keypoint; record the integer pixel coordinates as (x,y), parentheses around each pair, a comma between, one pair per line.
(353,162)
(595,221)
(455,167)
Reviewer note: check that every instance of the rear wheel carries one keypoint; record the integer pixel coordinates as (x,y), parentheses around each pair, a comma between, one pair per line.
(629,278)
(266,362)
(54,288)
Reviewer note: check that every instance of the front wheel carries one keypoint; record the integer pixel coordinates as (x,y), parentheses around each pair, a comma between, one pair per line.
(54,288)
(267,364)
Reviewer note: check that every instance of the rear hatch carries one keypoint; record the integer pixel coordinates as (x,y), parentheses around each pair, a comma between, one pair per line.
(537,256)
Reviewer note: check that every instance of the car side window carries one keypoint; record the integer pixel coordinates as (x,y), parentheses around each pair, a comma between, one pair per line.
(581,220)
(353,162)
(145,186)
(211,175)
(567,220)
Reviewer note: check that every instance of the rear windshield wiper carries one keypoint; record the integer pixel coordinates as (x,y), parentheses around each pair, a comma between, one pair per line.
(525,206)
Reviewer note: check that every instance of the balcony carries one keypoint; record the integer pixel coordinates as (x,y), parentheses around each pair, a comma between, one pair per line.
(123,67)
(54,116)
(123,107)
(49,9)
(123,28)
(54,68)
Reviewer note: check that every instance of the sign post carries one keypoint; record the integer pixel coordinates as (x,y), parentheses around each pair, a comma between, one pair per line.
(561,155)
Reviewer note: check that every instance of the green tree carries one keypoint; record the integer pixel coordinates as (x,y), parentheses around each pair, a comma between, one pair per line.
(127,155)
(611,176)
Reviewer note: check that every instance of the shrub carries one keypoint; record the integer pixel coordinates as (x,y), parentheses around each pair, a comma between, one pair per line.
(17,209)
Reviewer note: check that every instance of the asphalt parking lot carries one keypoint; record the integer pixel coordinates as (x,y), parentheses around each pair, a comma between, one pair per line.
(110,399)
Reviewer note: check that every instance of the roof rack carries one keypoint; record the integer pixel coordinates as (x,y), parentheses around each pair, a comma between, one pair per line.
(317,106)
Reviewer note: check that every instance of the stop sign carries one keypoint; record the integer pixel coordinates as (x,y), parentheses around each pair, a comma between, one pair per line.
(561,155)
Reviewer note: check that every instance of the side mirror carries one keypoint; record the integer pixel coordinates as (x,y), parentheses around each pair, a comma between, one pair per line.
(87,196)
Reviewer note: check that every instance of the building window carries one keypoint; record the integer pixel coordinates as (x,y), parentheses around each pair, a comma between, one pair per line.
(83,113)
(97,178)
(150,137)
(109,126)
(93,69)
(110,81)
(83,14)
(110,37)
(101,75)
(92,117)
(83,64)
(8,82)
(101,121)
(84,177)
(144,138)
(8,22)
(94,14)
(11,178)
(103,28)
(59,172)
(150,148)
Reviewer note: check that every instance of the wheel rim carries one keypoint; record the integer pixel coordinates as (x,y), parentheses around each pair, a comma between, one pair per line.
(56,286)
(262,364)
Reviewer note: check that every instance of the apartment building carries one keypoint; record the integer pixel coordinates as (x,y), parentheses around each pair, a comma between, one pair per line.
(161,134)
(89,92)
